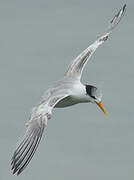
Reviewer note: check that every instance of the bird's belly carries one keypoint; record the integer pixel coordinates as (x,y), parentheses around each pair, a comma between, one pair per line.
(71,100)
(68,101)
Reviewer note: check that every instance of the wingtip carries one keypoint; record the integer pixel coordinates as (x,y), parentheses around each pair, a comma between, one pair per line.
(117,18)
(18,173)
(124,7)
(15,171)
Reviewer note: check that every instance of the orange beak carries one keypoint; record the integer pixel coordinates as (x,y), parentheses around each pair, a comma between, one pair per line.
(101,106)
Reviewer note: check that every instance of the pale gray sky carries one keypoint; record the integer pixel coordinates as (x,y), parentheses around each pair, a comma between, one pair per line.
(36,38)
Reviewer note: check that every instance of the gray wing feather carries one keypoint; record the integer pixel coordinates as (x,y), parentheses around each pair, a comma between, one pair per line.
(27,147)
(35,127)
(77,65)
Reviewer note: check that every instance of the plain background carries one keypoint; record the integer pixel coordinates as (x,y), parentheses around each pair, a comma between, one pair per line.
(38,39)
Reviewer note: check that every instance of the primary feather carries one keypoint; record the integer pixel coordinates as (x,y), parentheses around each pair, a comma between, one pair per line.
(77,65)
(35,127)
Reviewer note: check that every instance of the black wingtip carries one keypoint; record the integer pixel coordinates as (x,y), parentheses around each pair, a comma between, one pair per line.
(18,173)
(14,171)
(120,13)
(124,7)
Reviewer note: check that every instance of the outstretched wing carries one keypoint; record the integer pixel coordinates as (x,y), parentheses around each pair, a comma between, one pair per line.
(35,127)
(77,65)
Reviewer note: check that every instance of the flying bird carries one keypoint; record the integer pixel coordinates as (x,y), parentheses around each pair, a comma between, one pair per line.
(66,92)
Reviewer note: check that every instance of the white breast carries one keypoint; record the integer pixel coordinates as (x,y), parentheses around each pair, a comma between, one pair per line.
(78,96)
(79,93)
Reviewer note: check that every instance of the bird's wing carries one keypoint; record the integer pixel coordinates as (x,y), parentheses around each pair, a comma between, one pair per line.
(35,127)
(76,67)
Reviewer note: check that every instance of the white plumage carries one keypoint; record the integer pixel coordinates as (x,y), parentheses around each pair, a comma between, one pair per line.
(65,92)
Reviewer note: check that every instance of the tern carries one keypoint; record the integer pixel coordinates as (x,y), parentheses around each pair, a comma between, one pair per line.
(66,92)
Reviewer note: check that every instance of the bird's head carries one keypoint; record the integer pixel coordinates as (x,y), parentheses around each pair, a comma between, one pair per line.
(95,96)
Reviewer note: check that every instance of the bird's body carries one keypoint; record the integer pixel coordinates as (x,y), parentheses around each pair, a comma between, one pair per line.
(73,87)
(66,92)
